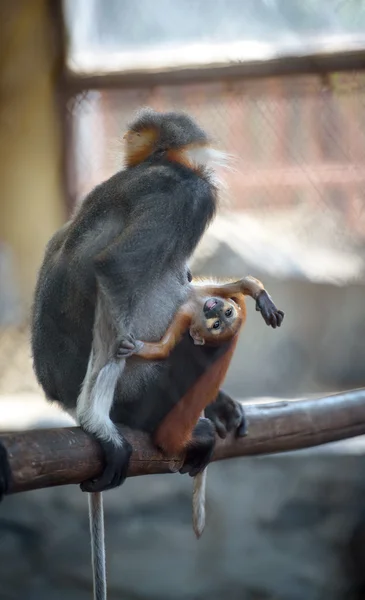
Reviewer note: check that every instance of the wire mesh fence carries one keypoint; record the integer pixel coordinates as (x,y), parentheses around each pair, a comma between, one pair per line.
(297,170)
(297,143)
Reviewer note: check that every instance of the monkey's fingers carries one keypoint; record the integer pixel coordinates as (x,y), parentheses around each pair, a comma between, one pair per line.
(227,415)
(220,427)
(128,346)
(241,427)
(115,468)
(200,449)
(280,317)
(271,315)
(276,319)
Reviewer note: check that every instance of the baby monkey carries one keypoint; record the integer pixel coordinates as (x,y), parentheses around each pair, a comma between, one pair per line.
(213,314)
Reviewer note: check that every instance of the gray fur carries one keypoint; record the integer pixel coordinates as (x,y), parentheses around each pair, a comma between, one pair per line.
(199,486)
(175,129)
(96,513)
(97,392)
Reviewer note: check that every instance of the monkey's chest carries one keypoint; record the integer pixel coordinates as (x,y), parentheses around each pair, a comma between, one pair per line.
(153,314)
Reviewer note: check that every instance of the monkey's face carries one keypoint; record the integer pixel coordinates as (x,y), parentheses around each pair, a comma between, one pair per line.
(220,321)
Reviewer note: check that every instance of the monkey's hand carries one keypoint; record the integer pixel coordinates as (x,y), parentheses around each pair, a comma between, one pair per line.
(200,449)
(227,415)
(128,346)
(271,315)
(5,471)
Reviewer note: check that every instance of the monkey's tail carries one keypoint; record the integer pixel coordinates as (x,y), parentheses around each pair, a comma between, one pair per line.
(96,512)
(199,486)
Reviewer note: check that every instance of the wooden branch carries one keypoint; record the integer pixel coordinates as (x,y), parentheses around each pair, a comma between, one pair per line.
(49,457)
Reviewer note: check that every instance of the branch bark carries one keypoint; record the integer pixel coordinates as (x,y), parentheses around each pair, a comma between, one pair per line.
(49,457)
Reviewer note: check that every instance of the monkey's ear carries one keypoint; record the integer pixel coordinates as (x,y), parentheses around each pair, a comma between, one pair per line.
(197,339)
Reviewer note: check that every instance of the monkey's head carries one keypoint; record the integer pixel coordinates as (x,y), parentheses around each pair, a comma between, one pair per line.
(219,321)
(170,135)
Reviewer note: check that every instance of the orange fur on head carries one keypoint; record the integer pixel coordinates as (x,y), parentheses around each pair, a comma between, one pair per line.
(139,145)
(181,155)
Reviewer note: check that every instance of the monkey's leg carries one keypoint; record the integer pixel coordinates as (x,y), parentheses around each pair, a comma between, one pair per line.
(200,448)
(93,408)
(5,471)
(227,415)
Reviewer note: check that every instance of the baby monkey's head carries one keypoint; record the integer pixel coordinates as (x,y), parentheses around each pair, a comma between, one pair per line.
(218,322)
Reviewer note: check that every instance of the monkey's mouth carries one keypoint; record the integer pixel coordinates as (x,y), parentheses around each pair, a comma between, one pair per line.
(210,304)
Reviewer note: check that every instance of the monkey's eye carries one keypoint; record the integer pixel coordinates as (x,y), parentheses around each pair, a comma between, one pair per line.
(228,312)
(216,325)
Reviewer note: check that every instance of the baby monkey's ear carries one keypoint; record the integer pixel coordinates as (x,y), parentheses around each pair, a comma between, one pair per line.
(197,339)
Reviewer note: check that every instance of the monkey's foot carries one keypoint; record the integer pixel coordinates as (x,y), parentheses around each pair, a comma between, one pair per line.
(128,346)
(227,415)
(116,462)
(200,449)
(5,471)
(271,315)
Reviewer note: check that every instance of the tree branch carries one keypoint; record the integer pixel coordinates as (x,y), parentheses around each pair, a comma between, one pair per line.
(48,457)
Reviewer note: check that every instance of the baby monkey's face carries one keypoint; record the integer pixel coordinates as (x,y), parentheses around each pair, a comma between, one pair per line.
(219,316)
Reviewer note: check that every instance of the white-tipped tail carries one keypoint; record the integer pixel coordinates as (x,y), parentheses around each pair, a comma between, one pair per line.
(199,486)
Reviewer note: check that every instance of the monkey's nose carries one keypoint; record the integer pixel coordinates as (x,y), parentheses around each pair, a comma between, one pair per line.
(210,304)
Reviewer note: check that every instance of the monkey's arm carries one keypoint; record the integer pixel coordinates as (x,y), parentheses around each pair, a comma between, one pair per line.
(162,349)
(248,286)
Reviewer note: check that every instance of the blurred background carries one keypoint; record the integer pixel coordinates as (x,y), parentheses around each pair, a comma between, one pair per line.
(280,85)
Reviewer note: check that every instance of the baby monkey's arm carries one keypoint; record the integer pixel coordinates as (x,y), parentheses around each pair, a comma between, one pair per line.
(248,286)
(161,349)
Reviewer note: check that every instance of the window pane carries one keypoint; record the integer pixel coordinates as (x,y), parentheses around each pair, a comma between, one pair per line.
(117,35)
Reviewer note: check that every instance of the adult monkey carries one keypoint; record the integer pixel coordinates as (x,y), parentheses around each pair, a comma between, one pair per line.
(126,249)
(121,265)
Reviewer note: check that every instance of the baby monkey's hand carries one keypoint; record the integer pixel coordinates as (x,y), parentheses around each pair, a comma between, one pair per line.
(128,346)
(271,315)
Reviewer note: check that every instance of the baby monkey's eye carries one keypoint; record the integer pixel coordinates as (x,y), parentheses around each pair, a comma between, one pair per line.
(216,325)
(228,312)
